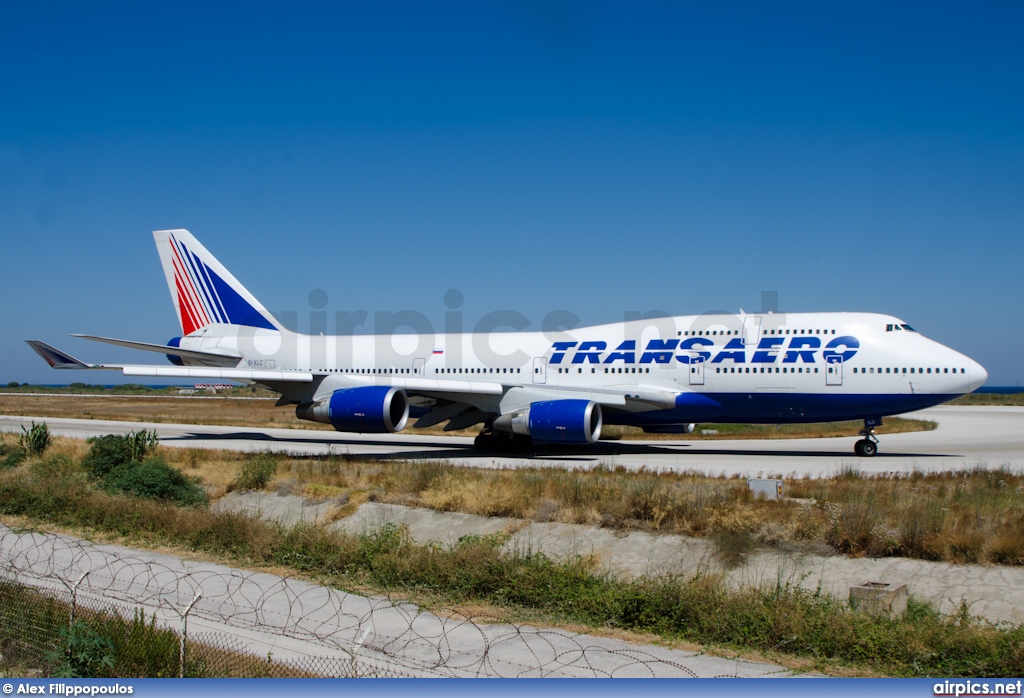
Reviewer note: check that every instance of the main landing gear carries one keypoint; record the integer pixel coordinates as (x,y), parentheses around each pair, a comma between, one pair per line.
(868,446)
(502,441)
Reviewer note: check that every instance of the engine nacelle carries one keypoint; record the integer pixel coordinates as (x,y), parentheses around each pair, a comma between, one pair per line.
(375,409)
(555,421)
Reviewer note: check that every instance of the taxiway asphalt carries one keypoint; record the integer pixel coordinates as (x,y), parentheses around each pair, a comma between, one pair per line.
(966,437)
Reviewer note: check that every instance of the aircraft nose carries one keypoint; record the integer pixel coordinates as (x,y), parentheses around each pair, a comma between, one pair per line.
(976,375)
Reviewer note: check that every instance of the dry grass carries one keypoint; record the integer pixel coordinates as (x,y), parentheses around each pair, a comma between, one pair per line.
(967,516)
(220,411)
(971,516)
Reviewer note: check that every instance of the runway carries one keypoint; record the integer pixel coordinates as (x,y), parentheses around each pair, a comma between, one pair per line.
(987,437)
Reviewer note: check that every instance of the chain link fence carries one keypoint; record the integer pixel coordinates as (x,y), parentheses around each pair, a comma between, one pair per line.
(68,606)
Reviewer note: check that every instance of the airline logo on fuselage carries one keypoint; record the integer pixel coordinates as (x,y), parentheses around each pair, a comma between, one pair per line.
(787,350)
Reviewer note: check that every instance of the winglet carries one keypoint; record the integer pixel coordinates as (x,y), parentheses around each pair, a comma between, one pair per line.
(55,357)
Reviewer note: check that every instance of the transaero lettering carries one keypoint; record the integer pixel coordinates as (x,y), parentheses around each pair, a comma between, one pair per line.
(770,350)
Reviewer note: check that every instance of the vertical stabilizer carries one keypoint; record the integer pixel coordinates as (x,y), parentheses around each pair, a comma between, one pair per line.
(204,292)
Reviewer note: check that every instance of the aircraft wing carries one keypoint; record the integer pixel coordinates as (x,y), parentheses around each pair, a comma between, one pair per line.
(59,359)
(608,397)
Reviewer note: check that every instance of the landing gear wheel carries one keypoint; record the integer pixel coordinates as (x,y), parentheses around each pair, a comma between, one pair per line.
(503,442)
(868,446)
(485,441)
(865,448)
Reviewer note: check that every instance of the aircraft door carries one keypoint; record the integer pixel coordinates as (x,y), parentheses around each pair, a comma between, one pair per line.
(834,370)
(751,330)
(417,367)
(696,369)
(540,370)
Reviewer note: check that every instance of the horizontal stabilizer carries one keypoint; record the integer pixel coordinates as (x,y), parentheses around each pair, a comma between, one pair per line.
(226,358)
(231,374)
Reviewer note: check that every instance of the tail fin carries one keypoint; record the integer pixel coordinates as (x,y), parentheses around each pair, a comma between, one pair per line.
(203,291)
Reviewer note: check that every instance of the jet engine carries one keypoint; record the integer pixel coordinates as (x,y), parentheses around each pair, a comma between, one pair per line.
(555,421)
(375,409)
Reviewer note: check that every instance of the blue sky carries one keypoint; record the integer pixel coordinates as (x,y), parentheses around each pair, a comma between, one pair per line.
(594,157)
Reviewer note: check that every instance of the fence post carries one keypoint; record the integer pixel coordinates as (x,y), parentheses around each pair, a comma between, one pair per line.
(351,653)
(73,588)
(183,615)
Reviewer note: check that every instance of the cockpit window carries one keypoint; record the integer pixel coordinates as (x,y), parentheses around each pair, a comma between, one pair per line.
(908,328)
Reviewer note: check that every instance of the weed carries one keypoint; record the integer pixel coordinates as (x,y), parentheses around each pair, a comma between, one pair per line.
(81,652)
(140,444)
(12,457)
(255,472)
(36,439)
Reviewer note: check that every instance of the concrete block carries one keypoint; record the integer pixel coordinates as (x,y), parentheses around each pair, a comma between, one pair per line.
(769,489)
(879,598)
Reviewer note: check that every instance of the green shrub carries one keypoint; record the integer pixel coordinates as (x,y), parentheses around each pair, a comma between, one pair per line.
(36,439)
(255,472)
(105,454)
(109,452)
(154,479)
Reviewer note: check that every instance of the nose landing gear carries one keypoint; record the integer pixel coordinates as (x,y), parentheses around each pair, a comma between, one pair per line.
(868,446)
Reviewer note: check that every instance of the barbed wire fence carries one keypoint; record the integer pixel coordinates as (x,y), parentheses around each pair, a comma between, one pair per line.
(165,617)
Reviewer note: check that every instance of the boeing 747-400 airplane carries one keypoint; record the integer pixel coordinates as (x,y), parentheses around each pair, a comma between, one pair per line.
(662,375)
